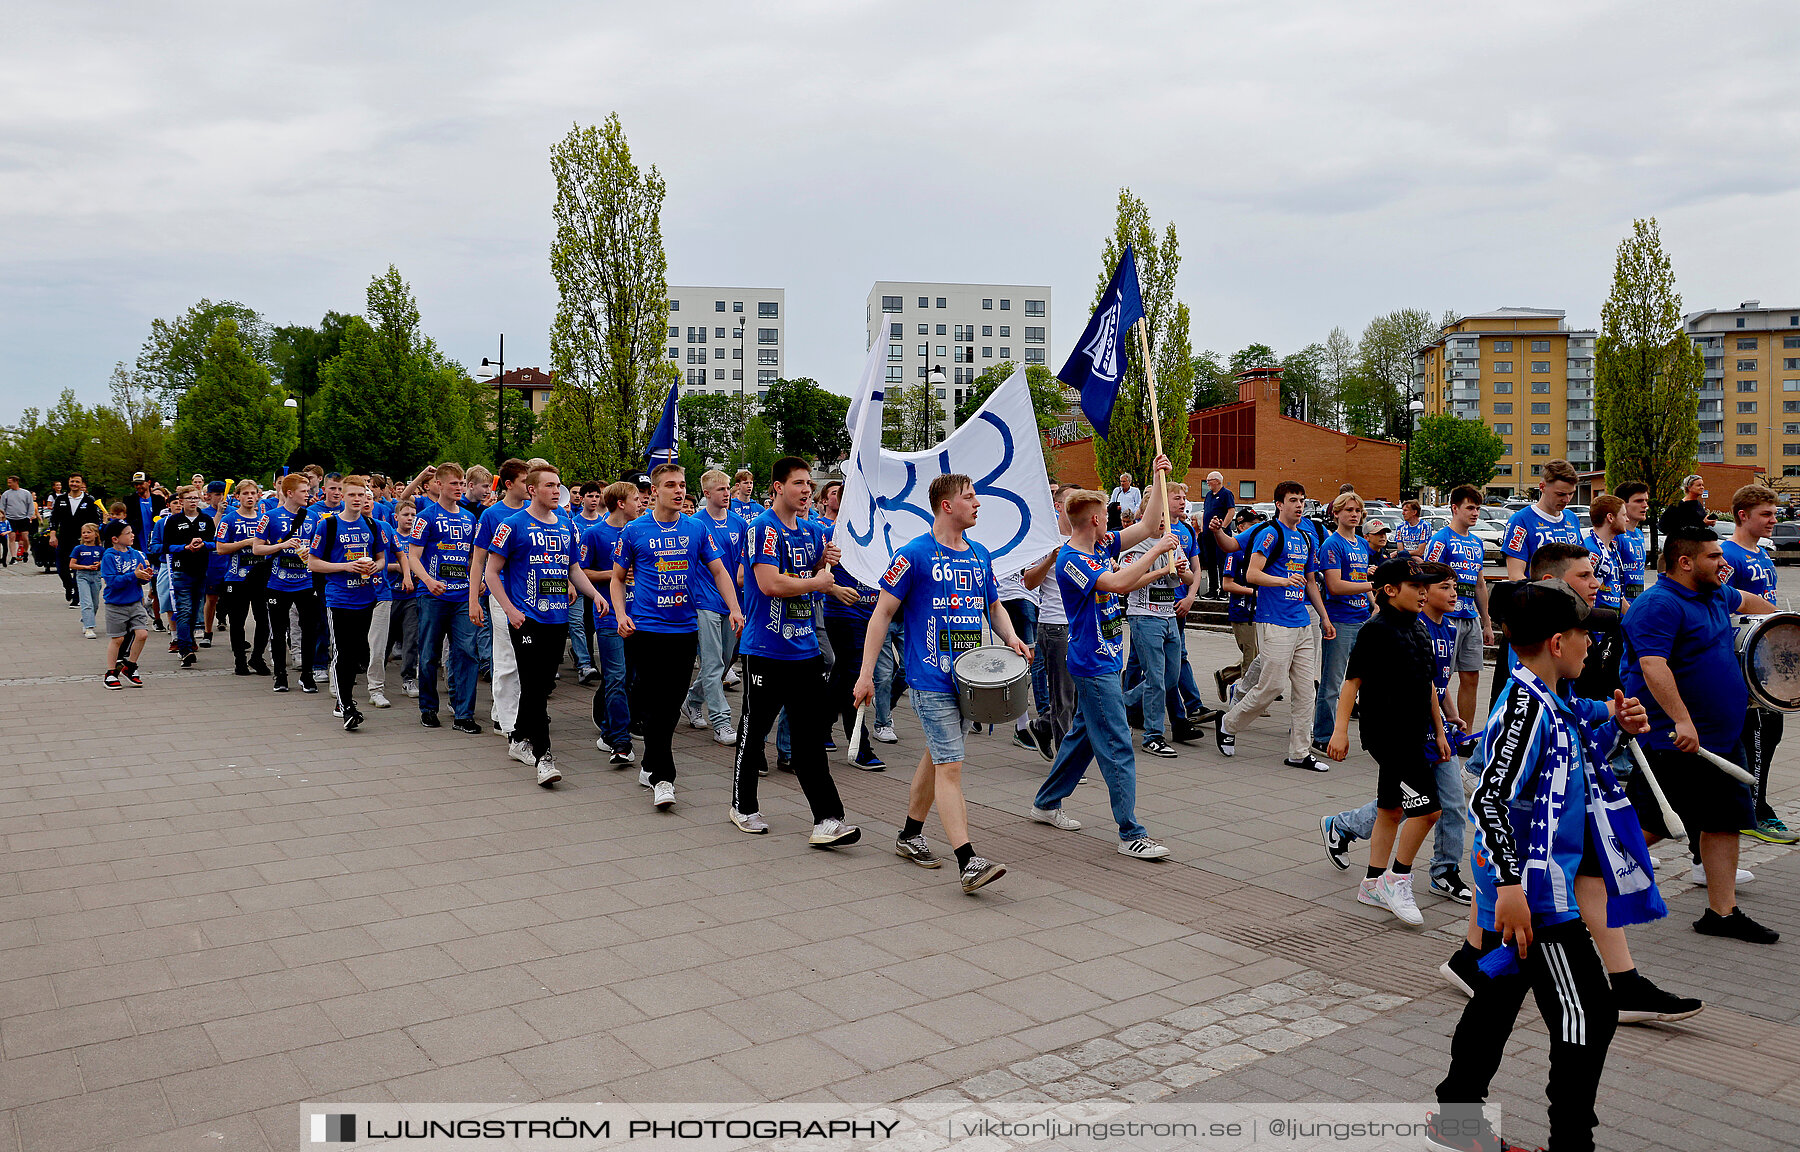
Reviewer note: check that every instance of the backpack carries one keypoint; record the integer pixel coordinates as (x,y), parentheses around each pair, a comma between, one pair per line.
(1280,546)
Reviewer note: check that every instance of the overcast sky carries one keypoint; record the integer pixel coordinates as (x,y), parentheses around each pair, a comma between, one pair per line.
(1323,162)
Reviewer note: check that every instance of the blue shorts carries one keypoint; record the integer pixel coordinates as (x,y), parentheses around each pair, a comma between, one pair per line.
(940,714)
(215,585)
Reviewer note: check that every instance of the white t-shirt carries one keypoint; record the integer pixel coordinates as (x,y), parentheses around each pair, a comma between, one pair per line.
(1158,597)
(1013,588)
(1050,602)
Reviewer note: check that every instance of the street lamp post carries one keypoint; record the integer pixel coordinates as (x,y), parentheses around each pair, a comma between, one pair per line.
(1413,408)
(932,382)
(300,414)
(499,380)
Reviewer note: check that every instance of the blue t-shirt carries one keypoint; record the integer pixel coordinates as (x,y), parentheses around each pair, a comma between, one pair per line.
(778,627)
(289,572)
(665,560)
(1748,569)
(1631,562)
(233,527)
(1408,537)
(1443,649)
(747,510)
(336,540)
(1693,632)
(538,557)
(1239,608)
(1350,560)
(441,541)
(1606,570)
(488,522)
(1283,606)
(387,581)
(118,571)
(728,536)
(85,554)
(864,607)
(1529,529)
(1096,618)
(944,597)
(594,552)
(1463,555)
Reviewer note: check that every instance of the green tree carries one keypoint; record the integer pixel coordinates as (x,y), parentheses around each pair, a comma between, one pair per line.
(365,415)
(1337,368)
(301,351)
(712,425)
(1132,445)
(759,452)
(1376,397)
(1254,356)
(128,436)
(232,422)
(912,419)
(613,302)
(807,421)
(1213,383)
(1304,390)
(1647,372)
(1049,399)
(1448,450)
(48,445)
(169,362)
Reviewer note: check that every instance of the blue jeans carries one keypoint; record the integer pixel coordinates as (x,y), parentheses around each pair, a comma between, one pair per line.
(436,619)
(1447,838)
(165,597)
(1191,701)
(886,667)
(190,597)
(612,708)
(1332,662)
(88,586)
(718,645)
(484,639)
(1157,642)
(578,633)
(1100,733)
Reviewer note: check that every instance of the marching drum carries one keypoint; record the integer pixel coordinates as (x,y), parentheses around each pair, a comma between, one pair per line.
(993,684)
(1768,652)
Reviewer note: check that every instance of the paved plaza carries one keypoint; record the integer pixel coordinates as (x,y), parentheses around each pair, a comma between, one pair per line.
(215,904)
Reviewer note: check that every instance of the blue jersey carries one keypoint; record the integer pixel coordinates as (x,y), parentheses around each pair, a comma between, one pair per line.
(1464,555)
(747,510)
(387,581)
(289,572)
(1284,606)
(1239,608)
(778,627)
(665,560)
(1748,569)
(118,571)
(728,535)
(233,527)
(488,522)
(594,552)
(1350,560)
(864,607)
(944,595)
(1529,529)
(1443,649)
(1408,537)
(441,541)
(1631,562)
(538,556)
(336,540)
(1693,632)
(218,565)
(85,554)
(1096,618)
(1606,570)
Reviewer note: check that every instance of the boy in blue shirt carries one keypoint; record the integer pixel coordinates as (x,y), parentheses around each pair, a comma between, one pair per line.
(1750,569)
(443,533)
(349,550)
(280,536)
(611,708)
(235,537)
(124,571)
(588,511)
(705,705)
(491,638)
(1548,521)
(1460,550)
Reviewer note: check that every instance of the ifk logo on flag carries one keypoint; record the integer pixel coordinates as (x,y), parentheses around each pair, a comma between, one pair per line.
(1103,349)
(1097,364)
(333,1128)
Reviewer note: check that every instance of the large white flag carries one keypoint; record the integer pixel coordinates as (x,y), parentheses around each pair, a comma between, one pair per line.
(884,504)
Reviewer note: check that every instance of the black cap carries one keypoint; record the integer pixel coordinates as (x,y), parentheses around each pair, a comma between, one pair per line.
(111,529)
(1535,610)
(1400,570)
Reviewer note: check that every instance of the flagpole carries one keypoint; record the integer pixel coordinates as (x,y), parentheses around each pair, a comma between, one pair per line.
(1143,326)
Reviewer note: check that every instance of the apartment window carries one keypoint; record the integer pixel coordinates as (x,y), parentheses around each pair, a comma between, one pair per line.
(768,335)
(1790,363)
(767,376)
(924,349)
(1540,345)
(737,373)
(896,351)
(924,329)
(942,351)
(1746,406)
(890,304)
(959,333)
(1540,449)
(942,330)
(895,331)
(1746,366)
(1746,345)
(674,332)
(1503,409)
(1746,449)
(1503,365)
(1005,304)
(922,371)
(1503,429)
(1746,386)
(718,305)
(718,333)
(1506,449)
(1790,469)
(1503,345)
(1034,335)
(1540,366)
(942,303)
(1540,429)
(1790,429)
(924,301)
(737,305)
(1005,331)
(1034,307)
(1790,405)
(1034,355)
(768,356)
(1503,387)
(1711,406)
(674,353)
(737,353)
(987,304)
(1790,450)
(1540,409)
(1246,489)
(1740,321)
(956,356)
(1537,469)
(768,309)
(940,393)
(718,373)
(1503,469)
(718,353)
(674,305)
(696,356)
(1790,341)
(987,329)
(896,373)
(1746,428)
(1790,385)
(1005,352)
(987,352)
(1540,386)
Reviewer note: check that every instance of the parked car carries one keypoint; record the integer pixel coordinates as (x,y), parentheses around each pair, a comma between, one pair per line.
(1784,542)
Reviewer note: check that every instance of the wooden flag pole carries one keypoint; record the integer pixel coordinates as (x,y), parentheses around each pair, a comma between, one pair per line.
(1143,328)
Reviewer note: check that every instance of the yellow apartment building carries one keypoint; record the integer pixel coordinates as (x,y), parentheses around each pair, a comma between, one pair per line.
(1524,373)
(1750,401)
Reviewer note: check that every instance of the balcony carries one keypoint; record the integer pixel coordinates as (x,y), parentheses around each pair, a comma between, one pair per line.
(1465,392)
(1580,391)
(1468,411)
(1713,455)
(1583,374)
(1579,456)
(1711,390)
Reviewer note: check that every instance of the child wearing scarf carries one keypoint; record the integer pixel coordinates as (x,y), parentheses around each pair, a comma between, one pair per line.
(1546,810)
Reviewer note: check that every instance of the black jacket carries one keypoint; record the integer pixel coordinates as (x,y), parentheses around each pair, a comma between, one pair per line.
(66,517)
(177,531)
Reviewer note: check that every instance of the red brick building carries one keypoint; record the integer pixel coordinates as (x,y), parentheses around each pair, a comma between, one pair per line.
(1256,447)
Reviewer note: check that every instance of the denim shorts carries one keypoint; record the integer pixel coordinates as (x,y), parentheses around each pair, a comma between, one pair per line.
(940,714)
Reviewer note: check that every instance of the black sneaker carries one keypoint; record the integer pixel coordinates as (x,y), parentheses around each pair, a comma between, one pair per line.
(242,669)
(1736,926)
(189,660)
(1641,1002)
(158,625)
(206,639)
(259,667)
(872,763)
(1309,763)
(131,674)
(1022,739)
(782,765)
(1450,886)
(470,727)
(1159,747)
(1226,741)
(112,681)
(1041,737)
(620,758)
(1321,747)
(1219,679)
(1463,970)
(352,720)
(308,686)
(1337,844)
(1184,731)
(280,686)
(430,720)
(1443,1134)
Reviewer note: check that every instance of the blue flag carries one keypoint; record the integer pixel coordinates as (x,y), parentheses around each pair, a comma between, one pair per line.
(1097,364)
(662,441)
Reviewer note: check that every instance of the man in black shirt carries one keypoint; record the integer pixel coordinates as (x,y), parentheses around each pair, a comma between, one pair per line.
(68,512)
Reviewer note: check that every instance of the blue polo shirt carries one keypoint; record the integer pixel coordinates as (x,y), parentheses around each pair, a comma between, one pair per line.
(1693,632)
(944,595)
(665,561)
(728,536)
(1606,569)
(441,541)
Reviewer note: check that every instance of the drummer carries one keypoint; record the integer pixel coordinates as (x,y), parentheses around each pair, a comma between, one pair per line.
(1680,660)
(944,583)
(1750,569)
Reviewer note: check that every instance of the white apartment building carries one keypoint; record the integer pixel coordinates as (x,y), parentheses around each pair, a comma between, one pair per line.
(962,328)
(727,339)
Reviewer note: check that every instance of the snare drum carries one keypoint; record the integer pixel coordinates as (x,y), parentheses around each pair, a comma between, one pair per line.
(993,684)
(1768,651)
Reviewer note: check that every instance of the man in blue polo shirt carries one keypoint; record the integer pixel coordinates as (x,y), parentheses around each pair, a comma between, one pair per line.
(1681,662)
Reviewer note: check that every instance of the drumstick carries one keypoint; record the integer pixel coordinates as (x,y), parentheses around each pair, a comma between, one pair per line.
(856,734)
(1677,830)
(1730,769)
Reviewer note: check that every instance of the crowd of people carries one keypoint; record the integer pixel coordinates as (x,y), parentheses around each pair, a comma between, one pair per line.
(658,596)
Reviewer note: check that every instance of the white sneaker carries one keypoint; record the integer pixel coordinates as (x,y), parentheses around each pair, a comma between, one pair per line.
(520,750)
(338,711)
(644,778)
(1397,895)
(1698,875)
(751,822)
(725,734)
(1144,849)
(733,679)
(547,772)
(885,734)
(1056,818)
(1369,892)
(600,743)
(377,700)
(695,718)
(663,796)
(833,833)
(88,633)
(411,688)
